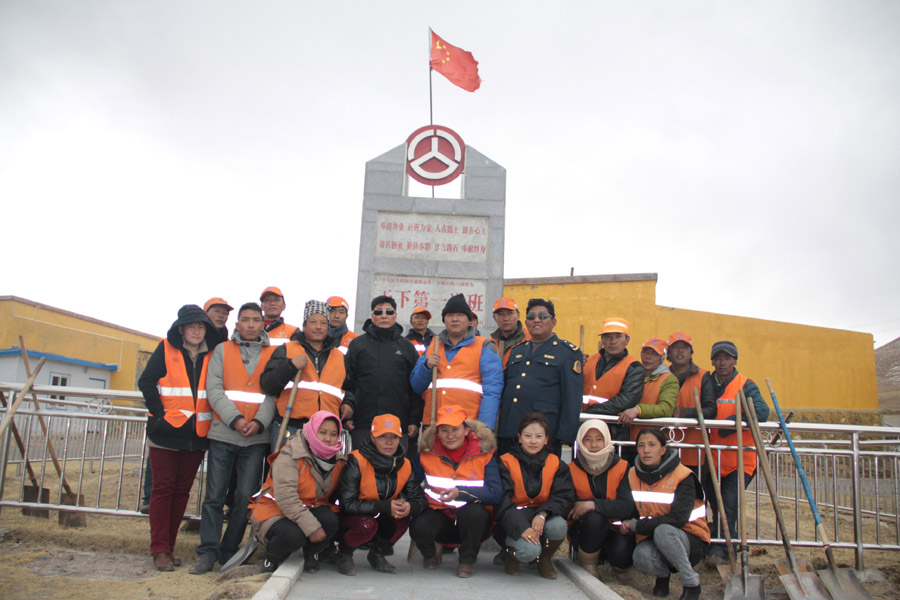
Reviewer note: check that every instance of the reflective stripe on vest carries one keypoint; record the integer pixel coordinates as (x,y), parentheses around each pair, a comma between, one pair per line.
(343,349)
(420,348)
(458,384)
(610,383)
(448,482)
(179,391)
(176,395)
(250,397)
(317,386)
(440,473)
(654,501)
(458,380)
(243,389)
(315,391)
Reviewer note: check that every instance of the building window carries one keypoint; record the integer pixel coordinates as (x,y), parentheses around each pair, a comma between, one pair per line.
(60,380)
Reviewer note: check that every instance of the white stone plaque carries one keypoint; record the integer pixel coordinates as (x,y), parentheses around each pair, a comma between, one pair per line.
(431,237)
(431,292)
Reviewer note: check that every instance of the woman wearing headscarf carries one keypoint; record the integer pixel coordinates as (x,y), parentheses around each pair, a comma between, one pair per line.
(295,508)
(537,496)
(671,529)
(602,499)
(174,387)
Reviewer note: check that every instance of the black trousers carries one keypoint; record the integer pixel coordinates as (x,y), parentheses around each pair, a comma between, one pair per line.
(285,537)
(471,527)
(593,532)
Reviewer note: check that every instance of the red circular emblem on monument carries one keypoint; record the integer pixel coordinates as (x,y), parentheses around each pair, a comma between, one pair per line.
(435,155)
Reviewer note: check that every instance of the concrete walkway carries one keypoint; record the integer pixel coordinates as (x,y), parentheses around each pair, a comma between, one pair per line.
(413,582)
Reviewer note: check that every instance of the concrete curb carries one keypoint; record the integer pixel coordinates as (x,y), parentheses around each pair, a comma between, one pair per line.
(592,587)
(282,580)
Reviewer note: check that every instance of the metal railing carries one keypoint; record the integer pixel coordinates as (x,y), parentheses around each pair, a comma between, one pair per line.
(99,438)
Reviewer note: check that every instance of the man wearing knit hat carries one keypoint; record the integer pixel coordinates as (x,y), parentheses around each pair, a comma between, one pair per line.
(726,382)
(318,357)
(420,334)
(272,301)
(338,309)
(469,372)
(542,374)
(613,379)
(509,332)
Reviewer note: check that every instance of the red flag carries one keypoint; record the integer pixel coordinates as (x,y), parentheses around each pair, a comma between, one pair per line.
(457,65)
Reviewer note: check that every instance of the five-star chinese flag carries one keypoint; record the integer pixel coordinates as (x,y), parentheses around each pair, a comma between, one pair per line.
(457,65)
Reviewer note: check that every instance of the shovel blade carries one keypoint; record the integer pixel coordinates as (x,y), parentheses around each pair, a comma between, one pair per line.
(843,584)
(243,553)
(754,590)
(804,585)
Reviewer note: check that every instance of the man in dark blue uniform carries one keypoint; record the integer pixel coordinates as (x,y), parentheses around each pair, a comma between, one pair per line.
(543,374)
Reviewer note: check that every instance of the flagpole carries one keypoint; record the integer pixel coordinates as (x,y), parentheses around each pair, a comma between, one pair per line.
(430,101)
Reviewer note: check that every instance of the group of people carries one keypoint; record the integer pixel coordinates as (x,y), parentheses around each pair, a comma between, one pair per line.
(455,437)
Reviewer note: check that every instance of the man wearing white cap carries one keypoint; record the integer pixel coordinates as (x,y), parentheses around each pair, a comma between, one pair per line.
(338,309)
(613,379)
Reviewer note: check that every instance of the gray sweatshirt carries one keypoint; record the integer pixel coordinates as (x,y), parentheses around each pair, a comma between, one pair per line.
(224,408)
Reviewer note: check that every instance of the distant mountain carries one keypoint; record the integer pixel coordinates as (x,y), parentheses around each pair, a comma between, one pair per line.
(887,369)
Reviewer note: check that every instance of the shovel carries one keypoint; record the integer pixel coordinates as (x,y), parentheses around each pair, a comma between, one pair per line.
(842,583)
(744,586)
(731,568)
(797,576)
(249,547)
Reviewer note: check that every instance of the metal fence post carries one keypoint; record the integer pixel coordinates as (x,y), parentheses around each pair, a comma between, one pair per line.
(857,504)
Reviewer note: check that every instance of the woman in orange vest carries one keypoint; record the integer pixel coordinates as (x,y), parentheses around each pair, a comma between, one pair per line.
(174,387)
(378,496)
(456,462)
(602,498)
(671,530)
(295,508)
(537,496)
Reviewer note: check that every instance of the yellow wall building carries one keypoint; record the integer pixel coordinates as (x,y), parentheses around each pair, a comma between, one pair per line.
(82,342)
(813,369)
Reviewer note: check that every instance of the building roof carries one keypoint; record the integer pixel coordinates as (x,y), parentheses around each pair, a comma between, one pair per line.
(60,358)
(69,313)
(583,279)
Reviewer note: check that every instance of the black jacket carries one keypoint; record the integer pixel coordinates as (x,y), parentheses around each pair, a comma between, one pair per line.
(629,394)
(159,430)
(622,507)
(414,336)
(560,501)
(386,468)
(379,363)
(685,493)
(707,395)
(280,370)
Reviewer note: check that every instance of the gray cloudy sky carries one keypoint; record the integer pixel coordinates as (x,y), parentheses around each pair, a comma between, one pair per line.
(157,153)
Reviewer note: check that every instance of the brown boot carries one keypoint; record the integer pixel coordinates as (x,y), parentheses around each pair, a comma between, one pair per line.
(162,562)
(545,564)
(624,576)
(588,562)
(510,562)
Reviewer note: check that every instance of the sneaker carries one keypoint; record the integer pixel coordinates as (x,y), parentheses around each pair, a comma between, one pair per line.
(267,566)
(204,564)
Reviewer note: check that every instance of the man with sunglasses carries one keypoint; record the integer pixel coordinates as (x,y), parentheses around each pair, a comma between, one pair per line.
(542,375)
(379,363)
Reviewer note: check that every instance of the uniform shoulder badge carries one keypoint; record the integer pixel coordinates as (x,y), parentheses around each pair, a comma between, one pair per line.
(577,366)
(571,345)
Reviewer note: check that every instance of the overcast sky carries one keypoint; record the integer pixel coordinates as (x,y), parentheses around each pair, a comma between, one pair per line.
(159,153)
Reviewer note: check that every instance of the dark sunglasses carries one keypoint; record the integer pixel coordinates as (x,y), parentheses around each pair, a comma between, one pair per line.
(389,312)
(536,316)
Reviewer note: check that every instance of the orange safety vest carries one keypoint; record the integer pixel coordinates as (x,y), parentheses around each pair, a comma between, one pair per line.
(281,335)
(725,408)
(368,488)
(440,473)
(520,498)
(507,350)
(692,435)
(265,506)
(458,381)
(315,391)
(656,500)
(582,482)
(242,389)
(598,391)
(176,394)
(348,337)
(651,396)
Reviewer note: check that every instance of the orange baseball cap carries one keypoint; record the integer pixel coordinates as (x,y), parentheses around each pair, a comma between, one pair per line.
(615,325)
(421,310)
(383,424)
(337,302)
(507,303)
(452,415)
(656,343)
(271,290)
(215,302)
(680,336)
